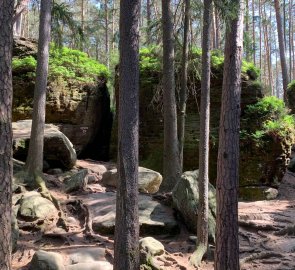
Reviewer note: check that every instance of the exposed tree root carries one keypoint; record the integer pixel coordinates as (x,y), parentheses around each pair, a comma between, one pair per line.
(198,255)
(290,230)
(262,255)
(253,225)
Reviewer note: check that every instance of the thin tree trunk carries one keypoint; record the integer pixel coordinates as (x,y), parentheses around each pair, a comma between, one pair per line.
(290,37)
(202,233)
(148,9)
(268,51)
(227,237)
(183,90)
(282,48)
(6,13)
(218,32)
(34,162)
(127,224)
(106,32)
(247,29)
(253,32)
(171,166)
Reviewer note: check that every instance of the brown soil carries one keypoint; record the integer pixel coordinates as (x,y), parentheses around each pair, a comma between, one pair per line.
(267,232)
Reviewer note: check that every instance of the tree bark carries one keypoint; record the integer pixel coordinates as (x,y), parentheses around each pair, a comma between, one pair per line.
(203,208)
(253,32)
(106,32)
(148,17)
(34,162)
(183,90)
(171,164)
(282,48)
(227,238)
(127,224)
(6,13)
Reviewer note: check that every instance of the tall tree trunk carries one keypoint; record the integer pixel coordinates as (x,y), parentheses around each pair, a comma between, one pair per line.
(282,48)
(127,224)
(34,162)
(268,50)
(290,38)
(253,32)
(202,233)
(227,238)
(171,166)
(217,27)
(106,18)
(148,17)
(6,13)
(183,90)
(247,30)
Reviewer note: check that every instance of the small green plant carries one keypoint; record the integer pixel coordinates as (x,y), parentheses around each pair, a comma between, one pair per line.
(27,63)
(272,120)
(250,69)
(291,86)
(149,59)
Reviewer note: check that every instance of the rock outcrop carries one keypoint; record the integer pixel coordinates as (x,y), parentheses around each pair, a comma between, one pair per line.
(149,181)
(80,109)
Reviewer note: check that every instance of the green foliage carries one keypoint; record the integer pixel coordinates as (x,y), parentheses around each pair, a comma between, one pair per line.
(149,59)
(65,63)
(27,63)
(272,118)
(291,86)
(250,69)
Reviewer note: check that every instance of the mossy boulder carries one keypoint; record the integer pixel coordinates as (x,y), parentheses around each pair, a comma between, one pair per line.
(186,200)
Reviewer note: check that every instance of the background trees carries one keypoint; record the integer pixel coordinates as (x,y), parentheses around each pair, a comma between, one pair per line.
(6,13)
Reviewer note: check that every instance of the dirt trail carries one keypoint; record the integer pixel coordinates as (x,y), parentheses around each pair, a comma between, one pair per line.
(267,234)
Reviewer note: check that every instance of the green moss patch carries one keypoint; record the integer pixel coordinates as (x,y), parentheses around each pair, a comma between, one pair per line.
(63,63)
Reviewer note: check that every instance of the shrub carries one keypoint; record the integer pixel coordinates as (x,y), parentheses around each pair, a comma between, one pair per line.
(291,86)
(149,59)
(65,63)
(250,69)
(27,63)
(272,118)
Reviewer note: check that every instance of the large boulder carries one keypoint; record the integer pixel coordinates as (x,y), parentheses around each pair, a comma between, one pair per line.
(77,181)
(149,181)
(43,260)
(154,218)
(58,150)
(186,200)
(33,206)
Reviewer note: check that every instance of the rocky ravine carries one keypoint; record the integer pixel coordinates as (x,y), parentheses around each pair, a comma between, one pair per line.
(82,238)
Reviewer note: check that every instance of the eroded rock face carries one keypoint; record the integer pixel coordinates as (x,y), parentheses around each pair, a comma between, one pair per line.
(257,165)
(80,109)
(149,181)
(186,200)
(58,150)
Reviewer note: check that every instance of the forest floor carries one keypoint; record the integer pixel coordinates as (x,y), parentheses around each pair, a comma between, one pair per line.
(267,233)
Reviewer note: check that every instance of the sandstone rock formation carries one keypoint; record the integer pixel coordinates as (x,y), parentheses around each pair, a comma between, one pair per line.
(80,109)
